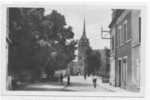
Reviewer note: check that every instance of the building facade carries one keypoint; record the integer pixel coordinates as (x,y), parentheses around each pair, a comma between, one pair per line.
(136,46)
(74,68)
(125,48)
(83,45)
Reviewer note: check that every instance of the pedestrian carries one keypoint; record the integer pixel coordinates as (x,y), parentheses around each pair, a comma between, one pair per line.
(85,76)
(68,80)
(61,78)
(94,81)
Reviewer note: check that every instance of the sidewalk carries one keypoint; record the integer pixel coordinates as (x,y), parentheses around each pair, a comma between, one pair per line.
(113,88)
(45,86)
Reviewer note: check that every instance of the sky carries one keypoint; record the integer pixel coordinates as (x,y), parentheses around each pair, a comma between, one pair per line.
(95,17)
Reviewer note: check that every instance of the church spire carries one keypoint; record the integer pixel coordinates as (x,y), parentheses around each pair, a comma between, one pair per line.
(84,30)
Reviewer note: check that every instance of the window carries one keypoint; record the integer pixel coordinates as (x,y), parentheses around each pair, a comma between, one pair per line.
(113,38)
(112,42)
(139,29)
(121,33)
(119,36)
(125,30)
(124,60)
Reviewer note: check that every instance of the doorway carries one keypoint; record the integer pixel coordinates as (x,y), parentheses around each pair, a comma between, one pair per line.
(119,73)
(124,72)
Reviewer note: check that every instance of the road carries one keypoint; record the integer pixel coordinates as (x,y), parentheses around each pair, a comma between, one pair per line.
(78,83)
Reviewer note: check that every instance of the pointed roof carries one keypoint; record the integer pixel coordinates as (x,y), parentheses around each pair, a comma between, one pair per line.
(84,40)
(84,30)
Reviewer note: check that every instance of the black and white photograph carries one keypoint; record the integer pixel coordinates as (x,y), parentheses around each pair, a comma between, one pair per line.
(74,49)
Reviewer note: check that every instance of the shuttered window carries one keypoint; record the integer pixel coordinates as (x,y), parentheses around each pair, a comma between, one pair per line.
(139,29)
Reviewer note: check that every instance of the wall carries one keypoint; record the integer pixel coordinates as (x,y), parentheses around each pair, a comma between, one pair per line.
(124,50)
(135,50)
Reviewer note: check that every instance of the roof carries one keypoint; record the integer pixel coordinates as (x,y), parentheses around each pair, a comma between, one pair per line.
(116,14)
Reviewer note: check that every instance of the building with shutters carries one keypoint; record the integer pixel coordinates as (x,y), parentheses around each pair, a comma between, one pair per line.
(125,30)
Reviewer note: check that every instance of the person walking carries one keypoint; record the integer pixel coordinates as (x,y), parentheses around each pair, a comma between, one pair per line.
(94,81)
(84,76)
(61,78)
(68,80)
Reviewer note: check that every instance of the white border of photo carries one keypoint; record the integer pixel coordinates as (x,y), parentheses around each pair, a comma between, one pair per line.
(3,55)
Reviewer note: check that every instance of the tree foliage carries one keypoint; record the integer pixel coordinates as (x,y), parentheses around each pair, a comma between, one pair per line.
(107,66)
(93,61)
(38,42)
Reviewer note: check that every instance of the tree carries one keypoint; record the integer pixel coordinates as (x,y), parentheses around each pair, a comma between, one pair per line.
(107,66)
(23,29)
(62,40)
(38,42)
(93,61)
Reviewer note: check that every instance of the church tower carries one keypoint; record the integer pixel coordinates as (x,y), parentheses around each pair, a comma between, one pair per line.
(83,45)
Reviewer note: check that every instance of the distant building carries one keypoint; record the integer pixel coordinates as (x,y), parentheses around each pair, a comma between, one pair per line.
(58,73)
(82,48)
(125,30)
(74,68)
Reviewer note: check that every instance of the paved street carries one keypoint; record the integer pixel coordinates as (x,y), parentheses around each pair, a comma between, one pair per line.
(78,83)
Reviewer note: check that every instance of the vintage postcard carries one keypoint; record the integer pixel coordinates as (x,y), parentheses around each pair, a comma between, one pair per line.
(73,49)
